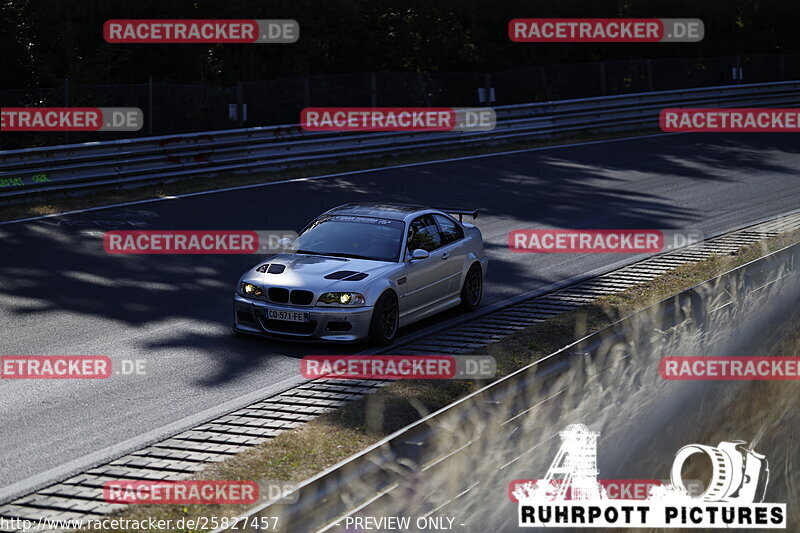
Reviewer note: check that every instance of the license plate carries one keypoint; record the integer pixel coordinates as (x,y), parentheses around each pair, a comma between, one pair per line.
(287,316)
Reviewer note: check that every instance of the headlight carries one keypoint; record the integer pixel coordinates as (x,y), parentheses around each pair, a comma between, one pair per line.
(254,291)
(342,298)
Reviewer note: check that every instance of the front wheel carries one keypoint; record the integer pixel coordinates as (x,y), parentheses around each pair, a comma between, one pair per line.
(385,319)
(472,291)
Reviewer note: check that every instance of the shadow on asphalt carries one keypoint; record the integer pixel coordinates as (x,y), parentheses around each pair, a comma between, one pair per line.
(58,264)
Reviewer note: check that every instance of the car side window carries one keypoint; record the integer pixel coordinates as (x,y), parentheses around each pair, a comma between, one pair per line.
(423,234)
(448,229)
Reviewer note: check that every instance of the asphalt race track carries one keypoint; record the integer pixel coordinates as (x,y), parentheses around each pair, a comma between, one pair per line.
(63,295)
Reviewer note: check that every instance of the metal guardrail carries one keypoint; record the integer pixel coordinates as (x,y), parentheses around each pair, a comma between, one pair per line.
(386,471)
(65,168)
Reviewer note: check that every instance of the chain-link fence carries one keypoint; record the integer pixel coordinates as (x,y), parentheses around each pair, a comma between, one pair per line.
(181,108)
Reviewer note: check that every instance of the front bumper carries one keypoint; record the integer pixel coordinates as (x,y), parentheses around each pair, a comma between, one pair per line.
(330,324)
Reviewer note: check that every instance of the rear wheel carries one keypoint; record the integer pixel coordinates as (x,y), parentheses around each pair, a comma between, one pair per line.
(385,319)
(472,291)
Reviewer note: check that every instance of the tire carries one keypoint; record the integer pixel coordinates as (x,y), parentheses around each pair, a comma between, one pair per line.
(472,291)
(385,319)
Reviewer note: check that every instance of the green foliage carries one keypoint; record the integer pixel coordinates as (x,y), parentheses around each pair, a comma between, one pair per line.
(46,40)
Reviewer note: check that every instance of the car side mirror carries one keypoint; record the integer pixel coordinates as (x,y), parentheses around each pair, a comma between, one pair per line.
(419,254)
(285,242)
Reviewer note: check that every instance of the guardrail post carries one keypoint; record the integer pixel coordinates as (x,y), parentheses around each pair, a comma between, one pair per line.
(424,90)
(150,105)
(545,86)
(487,89)
(739,69)
(239,106)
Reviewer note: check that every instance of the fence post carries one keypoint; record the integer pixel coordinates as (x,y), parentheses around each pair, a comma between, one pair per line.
(373,80)
(739,69)
(150,105)
(545,86)
(424,89)
(66,104)
(603,86)
(239,106)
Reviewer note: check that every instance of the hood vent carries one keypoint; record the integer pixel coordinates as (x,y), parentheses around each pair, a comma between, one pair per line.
(273,268)
(347,275)
(341,274)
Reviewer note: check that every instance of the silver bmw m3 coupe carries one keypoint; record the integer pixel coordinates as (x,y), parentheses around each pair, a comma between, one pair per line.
(364,270)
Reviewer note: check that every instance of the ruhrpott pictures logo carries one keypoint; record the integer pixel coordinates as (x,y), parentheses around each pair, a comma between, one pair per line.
(733,497)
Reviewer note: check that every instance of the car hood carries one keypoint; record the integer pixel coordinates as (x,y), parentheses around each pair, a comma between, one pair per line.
(316,273)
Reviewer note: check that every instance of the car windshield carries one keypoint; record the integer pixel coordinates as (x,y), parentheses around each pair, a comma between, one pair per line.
(355,237)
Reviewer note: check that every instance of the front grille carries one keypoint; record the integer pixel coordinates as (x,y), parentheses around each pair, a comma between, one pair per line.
(302,297)
(278,295)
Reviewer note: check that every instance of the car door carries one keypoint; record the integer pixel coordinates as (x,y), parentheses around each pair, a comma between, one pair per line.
(454,252)
(427,279)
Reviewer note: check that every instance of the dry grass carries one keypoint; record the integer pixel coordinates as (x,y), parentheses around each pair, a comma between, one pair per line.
(546,337)
(762,413)
(642,419)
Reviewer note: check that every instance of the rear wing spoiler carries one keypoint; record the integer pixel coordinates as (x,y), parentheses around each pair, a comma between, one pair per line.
(460,212)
